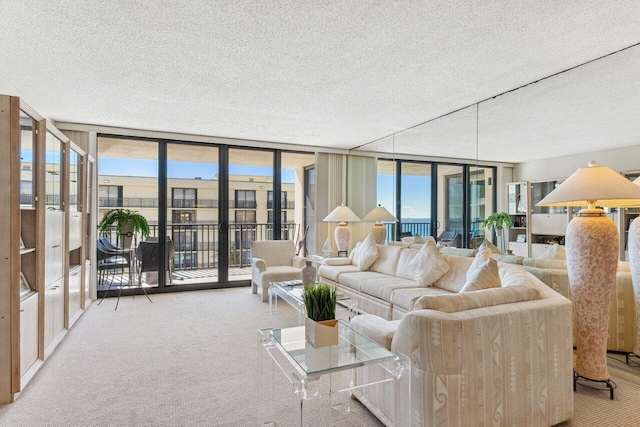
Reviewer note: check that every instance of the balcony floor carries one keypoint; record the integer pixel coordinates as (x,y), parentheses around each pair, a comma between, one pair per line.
(181,277)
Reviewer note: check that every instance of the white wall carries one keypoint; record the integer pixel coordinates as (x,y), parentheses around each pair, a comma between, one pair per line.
(619,159)
(7,89)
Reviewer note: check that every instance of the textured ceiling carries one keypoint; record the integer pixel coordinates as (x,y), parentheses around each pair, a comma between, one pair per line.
(338,74)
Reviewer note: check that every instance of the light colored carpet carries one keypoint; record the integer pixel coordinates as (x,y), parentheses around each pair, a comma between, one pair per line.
(190,359)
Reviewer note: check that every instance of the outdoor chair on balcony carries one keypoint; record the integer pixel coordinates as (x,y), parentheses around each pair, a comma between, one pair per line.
(273,261)
(148,255)
(111,266)
(447,238)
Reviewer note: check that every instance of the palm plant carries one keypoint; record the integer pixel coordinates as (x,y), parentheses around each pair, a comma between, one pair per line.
(498,221)
(120,217)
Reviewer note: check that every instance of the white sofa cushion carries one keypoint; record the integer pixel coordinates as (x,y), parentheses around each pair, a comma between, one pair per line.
(483,272)
(454,279)
(375,328)
(554,252)
(333,272)
(545,263)
(428,265)
(383,287)
(354,280)
(401,244)
(387,261)
(367,253)
(446,250)
(484,298)
(278,273)
(509,259)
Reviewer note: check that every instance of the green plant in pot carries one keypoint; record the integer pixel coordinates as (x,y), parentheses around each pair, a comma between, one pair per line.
(321,325)
(499,221)
(126,222)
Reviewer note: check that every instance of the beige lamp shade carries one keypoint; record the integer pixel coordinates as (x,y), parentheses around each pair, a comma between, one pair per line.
(379,214)
(594,185)
(343,214)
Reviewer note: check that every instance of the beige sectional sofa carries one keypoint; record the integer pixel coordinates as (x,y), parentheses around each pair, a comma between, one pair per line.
(498,356)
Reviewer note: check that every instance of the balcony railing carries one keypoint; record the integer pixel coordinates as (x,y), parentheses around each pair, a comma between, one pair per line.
(243,204)
(283,205)
(197,245)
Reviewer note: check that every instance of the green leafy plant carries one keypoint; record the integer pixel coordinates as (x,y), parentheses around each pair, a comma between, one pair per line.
(320,302)
(498,221)
(120,217)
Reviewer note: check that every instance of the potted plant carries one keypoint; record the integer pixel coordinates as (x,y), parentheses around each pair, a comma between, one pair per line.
(127,222)
(321,325)
(499,221)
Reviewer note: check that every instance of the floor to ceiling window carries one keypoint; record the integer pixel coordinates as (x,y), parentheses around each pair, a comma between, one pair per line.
(215,200)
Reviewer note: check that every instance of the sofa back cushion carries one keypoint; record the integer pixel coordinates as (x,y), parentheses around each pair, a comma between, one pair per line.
(509,259)
(485,298)
(554,252)
(446,250)
(545,263)
(273,252)
(401,244)
(387,261)
(428,265)
(454,279)
(367,253)
(483,272)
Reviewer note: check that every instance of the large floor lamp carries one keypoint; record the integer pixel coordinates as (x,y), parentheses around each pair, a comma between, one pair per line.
(342,214)
(592,246)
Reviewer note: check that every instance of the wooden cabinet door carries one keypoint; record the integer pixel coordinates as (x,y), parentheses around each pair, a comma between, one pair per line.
(54,248)
(75,282)
(54,311)
(28,332)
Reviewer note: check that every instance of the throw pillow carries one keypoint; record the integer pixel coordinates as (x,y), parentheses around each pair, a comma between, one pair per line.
(494,249)
(554,252)
(367,253)
(354,251)
(483,273)
(428,265)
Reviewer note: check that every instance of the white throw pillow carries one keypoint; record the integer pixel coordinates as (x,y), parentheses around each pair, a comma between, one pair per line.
(554,252)
(367,253)
(428,265)
(494,249)
(353,253)
(483,273)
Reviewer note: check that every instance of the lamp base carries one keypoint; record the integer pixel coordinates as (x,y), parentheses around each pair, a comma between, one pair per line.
(634,258)
(342,235)
(379,233)
(592,260)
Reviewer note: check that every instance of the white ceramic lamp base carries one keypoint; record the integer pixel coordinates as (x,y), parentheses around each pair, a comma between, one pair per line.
(342,235)
(379,233)
(592,260)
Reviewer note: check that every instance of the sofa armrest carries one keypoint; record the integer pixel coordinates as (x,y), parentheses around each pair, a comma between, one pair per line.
(338,261)
(375,328)
(258,264)
(298,261)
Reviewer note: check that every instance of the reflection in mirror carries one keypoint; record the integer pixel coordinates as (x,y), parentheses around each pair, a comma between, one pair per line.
(53,157)
(27,176)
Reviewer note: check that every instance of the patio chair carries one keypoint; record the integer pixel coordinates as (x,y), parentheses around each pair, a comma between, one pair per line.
(114,261)
(148,255)
(273,261)
(447,238)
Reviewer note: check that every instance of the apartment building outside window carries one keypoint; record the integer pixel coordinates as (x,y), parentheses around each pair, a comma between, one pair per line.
(245,217)
(184,197)
(246,199)
(283,200)
(110,196)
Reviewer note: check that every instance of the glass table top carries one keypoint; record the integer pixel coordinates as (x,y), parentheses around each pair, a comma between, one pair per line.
(295,288)
(353,350)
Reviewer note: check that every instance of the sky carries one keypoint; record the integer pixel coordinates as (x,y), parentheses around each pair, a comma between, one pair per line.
(416,199)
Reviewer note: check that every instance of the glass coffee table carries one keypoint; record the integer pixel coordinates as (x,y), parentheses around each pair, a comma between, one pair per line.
(291,292)
(297,381)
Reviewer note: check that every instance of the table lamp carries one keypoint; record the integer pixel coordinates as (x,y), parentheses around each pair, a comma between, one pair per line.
(592,246)
(379,215)
(343,214)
